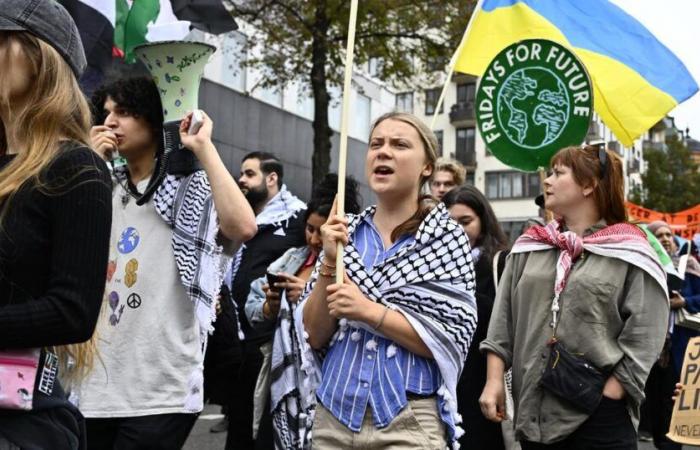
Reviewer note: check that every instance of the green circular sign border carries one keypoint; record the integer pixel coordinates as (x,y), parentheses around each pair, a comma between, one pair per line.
(510,155)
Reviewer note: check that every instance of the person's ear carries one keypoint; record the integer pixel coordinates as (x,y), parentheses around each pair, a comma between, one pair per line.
(427,170)
(271,180)
(588,190)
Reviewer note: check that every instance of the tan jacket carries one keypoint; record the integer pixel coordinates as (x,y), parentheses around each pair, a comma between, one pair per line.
(612,312)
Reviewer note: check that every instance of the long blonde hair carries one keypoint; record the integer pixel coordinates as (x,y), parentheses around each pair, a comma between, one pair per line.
(55,109)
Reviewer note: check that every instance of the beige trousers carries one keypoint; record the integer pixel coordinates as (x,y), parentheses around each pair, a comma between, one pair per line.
(417,426)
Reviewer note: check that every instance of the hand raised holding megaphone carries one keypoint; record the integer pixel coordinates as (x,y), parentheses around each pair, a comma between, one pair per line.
(194,137)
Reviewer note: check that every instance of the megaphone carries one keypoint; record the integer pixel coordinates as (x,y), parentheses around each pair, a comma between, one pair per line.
(177,68)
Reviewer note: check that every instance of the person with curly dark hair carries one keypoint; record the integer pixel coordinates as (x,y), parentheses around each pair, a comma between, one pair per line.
(137,97)
(163,275)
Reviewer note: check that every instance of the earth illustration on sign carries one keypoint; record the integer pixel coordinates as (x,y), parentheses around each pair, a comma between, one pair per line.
(534,99)
(547,118)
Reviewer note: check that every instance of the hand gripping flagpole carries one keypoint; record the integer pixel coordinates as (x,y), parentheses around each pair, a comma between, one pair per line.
(345,114)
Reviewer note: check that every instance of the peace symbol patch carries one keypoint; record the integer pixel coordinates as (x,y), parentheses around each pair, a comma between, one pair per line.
(133,300)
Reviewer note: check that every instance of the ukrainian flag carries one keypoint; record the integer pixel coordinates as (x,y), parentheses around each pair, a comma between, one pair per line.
(636,79)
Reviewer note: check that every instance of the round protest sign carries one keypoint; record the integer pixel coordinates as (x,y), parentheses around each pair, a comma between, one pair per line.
(533,99)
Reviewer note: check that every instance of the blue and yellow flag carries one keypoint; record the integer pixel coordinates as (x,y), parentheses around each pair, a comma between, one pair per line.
(636,79)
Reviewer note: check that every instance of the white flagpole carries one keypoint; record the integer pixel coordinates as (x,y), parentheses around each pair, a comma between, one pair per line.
(344,118)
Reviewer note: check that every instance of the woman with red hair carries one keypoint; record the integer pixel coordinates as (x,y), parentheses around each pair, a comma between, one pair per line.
(580,314)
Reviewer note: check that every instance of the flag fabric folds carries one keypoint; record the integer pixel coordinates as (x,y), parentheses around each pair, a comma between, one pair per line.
(636,79)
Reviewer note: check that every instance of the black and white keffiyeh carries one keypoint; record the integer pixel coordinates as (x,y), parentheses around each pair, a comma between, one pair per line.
(288,415)
(431,282)
(186,204)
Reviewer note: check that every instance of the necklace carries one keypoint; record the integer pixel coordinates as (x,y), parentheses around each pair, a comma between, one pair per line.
(128,192)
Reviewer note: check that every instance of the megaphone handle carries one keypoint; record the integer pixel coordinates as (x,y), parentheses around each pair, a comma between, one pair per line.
(181,161)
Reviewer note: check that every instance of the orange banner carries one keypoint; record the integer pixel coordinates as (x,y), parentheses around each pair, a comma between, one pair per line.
(684,223)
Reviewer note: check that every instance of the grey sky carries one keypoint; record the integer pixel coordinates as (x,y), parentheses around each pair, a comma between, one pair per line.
(676,23)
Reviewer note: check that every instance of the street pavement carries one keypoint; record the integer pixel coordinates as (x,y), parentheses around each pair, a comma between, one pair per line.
(202,439)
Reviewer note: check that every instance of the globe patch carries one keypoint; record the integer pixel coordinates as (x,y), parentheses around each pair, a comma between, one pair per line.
(534,98)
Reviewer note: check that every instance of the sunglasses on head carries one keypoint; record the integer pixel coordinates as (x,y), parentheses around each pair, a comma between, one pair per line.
(602,157)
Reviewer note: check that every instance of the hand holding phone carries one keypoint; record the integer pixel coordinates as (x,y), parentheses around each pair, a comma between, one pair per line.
(273,278)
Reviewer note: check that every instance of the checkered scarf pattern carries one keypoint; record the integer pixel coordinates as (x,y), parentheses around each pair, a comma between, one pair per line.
(431,282)
(622,241)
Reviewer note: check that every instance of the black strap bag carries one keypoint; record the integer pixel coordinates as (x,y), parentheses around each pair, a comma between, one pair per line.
(573,378)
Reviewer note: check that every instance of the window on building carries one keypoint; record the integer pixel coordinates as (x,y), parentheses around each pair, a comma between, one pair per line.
(438,135)
(464,146)
(271,95)
(491,185)
(505,182)
(517,188)
(512,229)
(512,184)
(431,99)
(404,102)
(466,93)
(233,56)
(534,186)
(469,178)
(435,64)
(375,66)
(361,117)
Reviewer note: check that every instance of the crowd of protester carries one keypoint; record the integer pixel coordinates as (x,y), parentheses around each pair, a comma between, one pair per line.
(130,296)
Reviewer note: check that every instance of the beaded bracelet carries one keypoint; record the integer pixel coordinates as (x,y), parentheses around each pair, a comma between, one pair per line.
(328,274)
(326,265)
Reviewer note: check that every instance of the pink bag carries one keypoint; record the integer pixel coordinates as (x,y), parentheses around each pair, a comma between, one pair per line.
(17,375)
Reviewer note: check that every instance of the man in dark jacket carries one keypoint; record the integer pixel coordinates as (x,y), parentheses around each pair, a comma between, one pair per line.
(280,227)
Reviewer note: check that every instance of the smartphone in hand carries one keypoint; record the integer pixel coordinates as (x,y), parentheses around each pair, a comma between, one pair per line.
(273,278)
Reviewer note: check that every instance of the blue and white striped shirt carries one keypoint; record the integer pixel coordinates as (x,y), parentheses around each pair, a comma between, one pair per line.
(363,368)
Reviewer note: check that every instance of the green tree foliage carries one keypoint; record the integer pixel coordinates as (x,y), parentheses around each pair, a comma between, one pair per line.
(305,40)
(672,181)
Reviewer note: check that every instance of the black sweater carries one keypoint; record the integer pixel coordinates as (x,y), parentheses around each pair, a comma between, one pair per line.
(54,245)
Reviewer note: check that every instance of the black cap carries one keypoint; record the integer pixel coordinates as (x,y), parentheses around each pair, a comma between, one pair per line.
(48,21)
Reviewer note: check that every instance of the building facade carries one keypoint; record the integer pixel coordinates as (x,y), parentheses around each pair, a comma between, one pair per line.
(249,117)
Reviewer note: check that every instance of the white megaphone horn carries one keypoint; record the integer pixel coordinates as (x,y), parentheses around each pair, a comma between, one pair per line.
(177,68)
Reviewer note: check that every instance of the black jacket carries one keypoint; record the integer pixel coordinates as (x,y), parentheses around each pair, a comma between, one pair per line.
(225,351)
(263,249)
(480,432)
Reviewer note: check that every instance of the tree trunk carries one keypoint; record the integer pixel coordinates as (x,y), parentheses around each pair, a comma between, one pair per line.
(321,159)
